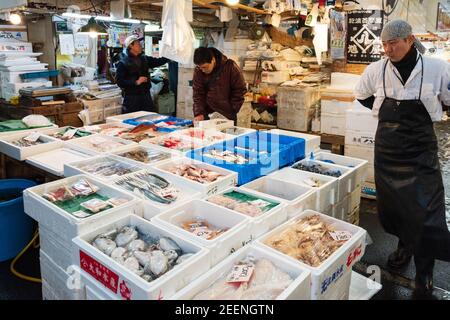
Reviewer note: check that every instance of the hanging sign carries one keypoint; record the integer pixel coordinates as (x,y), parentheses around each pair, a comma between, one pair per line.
(338,34)
(364,31)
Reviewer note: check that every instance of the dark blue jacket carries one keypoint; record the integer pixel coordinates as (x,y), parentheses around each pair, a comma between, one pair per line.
(130,68)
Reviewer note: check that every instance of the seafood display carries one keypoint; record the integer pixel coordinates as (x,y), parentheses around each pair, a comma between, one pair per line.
(210,136)
(146,255)
(310,240)
(314,182)
(315,167)
(140,133)
(244,203)
(28,141)
(176,143)
(249,279)
(235,131)
(146,155)
(81,199)
(227,156)
(108,167)
(203,229)
(195,173)
(70,133)
(150,186)
(101,144)
(112,130)
(151,118)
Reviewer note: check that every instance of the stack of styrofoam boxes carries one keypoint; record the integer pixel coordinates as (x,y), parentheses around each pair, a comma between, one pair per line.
(107,279)
(296,107)
(13,64)
(298,289)
(101,109)
(237,51)
(57,228)
(185,100)
(348,208)
(335,101)
(331,279)
(360,133)
(277,71)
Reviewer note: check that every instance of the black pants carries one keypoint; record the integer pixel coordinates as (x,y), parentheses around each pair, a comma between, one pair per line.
(423,262)
(133,103)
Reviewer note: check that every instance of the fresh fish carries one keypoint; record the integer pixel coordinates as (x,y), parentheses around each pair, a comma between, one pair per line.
(119,255)
(136,245)
(167,244)
(132,264)
(159,263)
(125,236)
(142,257)
(171,255)
(105,245)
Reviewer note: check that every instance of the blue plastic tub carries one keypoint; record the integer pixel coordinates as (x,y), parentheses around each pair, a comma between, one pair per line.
(264,160)
(148,121)
(16,228)
(295,147)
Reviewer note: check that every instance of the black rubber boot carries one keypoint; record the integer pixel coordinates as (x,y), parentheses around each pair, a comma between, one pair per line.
(424,276)
(400,257)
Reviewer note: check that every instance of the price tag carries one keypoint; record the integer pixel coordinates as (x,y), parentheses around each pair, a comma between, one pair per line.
(70,133)
(240,273)
(33,137)
(92,128)
(81,214)
(202,232)
(340,235)
(260,203)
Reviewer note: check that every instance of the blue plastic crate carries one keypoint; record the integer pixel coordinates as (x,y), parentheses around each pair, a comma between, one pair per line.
(295,147)
(262,162)
(147,120)
(40,74)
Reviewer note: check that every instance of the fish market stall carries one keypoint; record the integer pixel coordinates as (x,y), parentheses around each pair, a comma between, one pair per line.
(98,144)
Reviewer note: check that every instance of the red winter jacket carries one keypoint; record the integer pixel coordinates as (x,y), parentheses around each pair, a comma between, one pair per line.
(225,94)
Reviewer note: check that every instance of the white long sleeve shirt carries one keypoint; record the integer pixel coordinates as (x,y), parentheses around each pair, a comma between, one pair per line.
(435,88)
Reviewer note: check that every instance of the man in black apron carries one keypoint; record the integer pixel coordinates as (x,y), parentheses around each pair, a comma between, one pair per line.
(410,191)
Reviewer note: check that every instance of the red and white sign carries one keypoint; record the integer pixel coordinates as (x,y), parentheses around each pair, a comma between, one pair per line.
(354,255)
(101,273)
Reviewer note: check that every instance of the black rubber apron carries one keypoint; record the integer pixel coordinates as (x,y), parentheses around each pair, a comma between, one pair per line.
(410,192)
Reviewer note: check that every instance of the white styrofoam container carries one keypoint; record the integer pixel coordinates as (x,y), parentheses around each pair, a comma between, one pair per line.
(358,164)
(76,168)
(355,199)
(51,131)
(266,221)
(99,116)
(326,278)
(62,222)
(24,153)
(359,138)
(327,194)
(341,209)
(274,76)
(296,197)
(9,133)
(345,180)
(211,136)
(150,208)
(216,124)
(188,143)
(102,103)
(58,281)
(360,152)
(97,128)
(363,288)
(280,65)
(125,280)
(312,142)
(237,131)
(332,123)
(83,144)
(132,115)
(299,289)
(54,161)
(58,248)
(228,180)
(353,217)
(238,225)
(149,148)
(361,119)
(330,103)
(48,293)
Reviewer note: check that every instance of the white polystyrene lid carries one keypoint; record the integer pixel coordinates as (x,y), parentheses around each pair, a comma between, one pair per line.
(54,160)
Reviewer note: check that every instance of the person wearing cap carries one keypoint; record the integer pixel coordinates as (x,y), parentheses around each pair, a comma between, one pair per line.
(406,91)
(133,76)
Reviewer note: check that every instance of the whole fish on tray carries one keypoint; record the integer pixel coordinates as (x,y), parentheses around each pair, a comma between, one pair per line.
(195,173)
(227,156)
(146,156)
(314,167)
(109,167)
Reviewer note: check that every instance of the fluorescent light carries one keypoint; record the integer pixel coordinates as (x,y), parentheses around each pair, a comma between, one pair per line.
(14,18)
(101,18)
(232,2)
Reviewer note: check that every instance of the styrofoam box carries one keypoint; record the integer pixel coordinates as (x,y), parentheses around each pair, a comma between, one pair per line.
(299,289)
(54,161)
(216,124)
(359,138)
(363,288)
(238,225)
(82,144)
(20,153)
(14,77)
(99,116)
(59,249)
(327,194)
(96,128)
(15,87)
(11,133)
(194,142)
(296,197)
(355,199)
(360,152)
(62,222)
(266,221)
(57,280)
(345,180)
(341,209)
(102,103)
(361,119)
(353,217)
(334,106)
(359,165)
(312,142)
(132,115)
(332,123)
(208,135)
(150,208)
(48,293)
(240,131)
(274,76)
(149,148)
(326,278)
(298,120)
(229,178)
(75,168)
(280,65)
(162,288)
(51,131)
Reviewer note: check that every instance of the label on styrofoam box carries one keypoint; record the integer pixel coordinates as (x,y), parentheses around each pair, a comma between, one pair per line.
(340,235)
(240,273)
(33,137)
